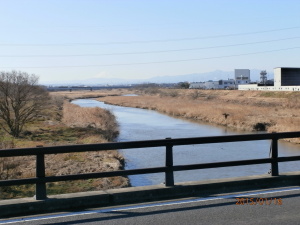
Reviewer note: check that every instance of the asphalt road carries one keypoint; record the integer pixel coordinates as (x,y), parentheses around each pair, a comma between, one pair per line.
(272,206)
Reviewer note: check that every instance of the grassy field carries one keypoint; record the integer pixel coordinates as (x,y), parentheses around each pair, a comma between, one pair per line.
(65,124)
(245,110)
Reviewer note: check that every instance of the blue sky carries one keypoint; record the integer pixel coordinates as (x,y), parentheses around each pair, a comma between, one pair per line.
(62,40)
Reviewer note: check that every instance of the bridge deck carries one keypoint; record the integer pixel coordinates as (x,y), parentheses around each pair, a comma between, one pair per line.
(27,206)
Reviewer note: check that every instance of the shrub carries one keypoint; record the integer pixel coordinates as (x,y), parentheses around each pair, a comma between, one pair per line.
(261,126)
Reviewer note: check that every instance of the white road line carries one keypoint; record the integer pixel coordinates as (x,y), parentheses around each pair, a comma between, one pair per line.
(146,206)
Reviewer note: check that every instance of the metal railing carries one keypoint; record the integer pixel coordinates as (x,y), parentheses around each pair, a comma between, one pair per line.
(41,179)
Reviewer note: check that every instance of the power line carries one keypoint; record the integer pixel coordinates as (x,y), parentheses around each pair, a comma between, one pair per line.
(151,52)
(157,62)
(154,41)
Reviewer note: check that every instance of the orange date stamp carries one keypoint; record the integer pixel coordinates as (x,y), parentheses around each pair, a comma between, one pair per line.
(259,201)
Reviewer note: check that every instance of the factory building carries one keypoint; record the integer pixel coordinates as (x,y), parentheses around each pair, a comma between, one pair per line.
(285,79)
(242,76)
(221,84)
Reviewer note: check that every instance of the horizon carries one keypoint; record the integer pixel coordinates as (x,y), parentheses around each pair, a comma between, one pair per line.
(191,78)
(122,39)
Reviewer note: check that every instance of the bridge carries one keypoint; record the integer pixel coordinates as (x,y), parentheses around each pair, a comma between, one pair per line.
(169,190)
(84,88)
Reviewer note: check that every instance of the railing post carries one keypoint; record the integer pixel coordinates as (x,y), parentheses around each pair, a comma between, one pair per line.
(40,187)
(169,175)
(274,156)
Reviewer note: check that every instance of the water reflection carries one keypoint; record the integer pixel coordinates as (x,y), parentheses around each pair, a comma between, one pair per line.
(140,124)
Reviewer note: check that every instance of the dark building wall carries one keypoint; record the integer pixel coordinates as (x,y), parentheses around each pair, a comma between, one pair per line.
(290,76)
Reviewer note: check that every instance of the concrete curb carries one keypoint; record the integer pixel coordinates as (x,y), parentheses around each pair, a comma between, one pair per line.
(27,206)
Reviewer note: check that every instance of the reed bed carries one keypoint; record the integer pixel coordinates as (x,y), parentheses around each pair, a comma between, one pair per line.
(249,111)
(100,119)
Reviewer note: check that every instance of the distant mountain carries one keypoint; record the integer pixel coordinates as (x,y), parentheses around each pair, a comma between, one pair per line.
(105,81)
(194,77)
(200,77)
(92,81)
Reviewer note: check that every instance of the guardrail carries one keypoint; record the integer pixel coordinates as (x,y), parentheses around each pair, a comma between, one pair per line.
(40,180)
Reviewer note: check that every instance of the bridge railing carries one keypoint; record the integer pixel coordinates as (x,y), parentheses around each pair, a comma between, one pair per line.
(41,179)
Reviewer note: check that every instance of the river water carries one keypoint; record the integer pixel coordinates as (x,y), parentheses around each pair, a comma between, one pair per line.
(140,124)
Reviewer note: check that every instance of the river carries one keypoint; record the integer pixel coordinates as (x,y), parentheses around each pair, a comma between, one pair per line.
(140,124)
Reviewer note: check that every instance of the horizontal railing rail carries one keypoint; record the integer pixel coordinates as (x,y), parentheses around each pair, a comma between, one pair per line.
(41,179)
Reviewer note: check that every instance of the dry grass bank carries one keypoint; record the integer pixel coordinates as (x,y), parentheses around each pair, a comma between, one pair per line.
(246,110)
(66,124)
(91,94)
(101,120)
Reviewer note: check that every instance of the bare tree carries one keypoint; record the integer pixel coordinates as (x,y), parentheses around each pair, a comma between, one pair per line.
(21,100)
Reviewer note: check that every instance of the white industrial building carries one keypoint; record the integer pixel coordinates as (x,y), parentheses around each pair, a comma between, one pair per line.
(205,85)
(241,76)
(285,79)
(197,85)
(221,84)
(211,84)
(227,84)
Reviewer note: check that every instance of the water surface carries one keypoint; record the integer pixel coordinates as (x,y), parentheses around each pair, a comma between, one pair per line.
(140,124)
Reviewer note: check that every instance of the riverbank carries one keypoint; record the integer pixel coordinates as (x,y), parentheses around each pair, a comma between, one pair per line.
(72,95)
(66,124)
(243,110)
